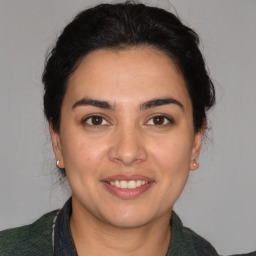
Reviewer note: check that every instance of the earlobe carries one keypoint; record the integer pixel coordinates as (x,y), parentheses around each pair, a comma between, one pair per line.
(197,144)
(56,145)
(194,165)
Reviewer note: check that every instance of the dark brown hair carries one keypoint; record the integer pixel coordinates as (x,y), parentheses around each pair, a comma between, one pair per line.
(122,26)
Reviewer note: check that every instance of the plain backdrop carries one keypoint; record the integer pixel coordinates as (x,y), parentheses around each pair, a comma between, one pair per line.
(219,201)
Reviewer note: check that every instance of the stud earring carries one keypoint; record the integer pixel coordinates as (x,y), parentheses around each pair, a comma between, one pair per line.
(195,163)
(58,162)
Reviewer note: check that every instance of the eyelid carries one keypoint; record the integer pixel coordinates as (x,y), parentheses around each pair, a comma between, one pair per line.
(87,117)
(167,117)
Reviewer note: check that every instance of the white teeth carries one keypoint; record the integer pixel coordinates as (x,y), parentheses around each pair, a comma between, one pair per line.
(138,183)
(132,184)
(128,184)
(123,184)
(117,184)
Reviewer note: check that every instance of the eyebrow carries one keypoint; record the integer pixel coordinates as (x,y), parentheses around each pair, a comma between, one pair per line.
(144,106)
(94,103)
(160,102)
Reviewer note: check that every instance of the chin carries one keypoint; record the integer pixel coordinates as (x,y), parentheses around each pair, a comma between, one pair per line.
(128,223)
(129,218)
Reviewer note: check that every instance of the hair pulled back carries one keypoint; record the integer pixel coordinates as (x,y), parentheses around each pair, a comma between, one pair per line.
(121,26)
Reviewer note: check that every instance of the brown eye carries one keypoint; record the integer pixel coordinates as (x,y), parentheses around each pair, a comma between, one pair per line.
(95,121)
(159,120)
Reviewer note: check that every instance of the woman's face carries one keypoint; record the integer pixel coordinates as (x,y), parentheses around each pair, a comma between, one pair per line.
(126,136)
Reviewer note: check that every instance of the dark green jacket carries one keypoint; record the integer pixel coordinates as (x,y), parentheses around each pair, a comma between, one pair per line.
(51,236)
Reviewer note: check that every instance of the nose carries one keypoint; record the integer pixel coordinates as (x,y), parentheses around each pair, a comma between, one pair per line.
(128,147)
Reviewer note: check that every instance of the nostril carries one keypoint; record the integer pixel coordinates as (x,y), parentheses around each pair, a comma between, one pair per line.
(128,147)
(128,158)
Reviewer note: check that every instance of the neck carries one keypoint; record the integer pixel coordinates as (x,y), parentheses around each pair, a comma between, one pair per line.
(94,237)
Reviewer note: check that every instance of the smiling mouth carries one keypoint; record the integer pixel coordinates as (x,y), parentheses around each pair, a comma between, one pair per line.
(128,187)
(132,184)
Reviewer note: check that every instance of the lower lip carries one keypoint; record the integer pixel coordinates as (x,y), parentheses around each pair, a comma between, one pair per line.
(126,193)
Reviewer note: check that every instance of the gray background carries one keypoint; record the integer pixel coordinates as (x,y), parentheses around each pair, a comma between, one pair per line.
(219,201)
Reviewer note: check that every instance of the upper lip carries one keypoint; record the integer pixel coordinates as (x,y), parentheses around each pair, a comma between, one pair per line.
(127,178)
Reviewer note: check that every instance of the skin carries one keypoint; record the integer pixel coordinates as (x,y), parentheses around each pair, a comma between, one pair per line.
(128,140)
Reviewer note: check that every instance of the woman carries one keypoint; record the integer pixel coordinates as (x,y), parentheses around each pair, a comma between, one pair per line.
(126,95)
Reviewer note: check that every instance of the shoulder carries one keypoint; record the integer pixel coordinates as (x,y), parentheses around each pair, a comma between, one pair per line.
(187,242)
(199,244)
(202,246)
(33,239)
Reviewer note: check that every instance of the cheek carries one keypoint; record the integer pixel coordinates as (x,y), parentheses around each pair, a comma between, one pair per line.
(84,160)
(82,154)
(172,160)
(173,152)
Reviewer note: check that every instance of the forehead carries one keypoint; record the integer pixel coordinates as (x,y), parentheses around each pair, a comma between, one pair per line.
(127,75)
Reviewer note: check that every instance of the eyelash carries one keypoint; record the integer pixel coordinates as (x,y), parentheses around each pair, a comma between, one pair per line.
(85,120)
(167,120)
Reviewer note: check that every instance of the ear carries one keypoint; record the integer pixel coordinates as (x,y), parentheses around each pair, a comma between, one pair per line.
(56,145)
(197,144)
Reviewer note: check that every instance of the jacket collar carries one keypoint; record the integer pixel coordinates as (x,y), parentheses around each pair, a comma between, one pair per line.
(63,241)
(64,244)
